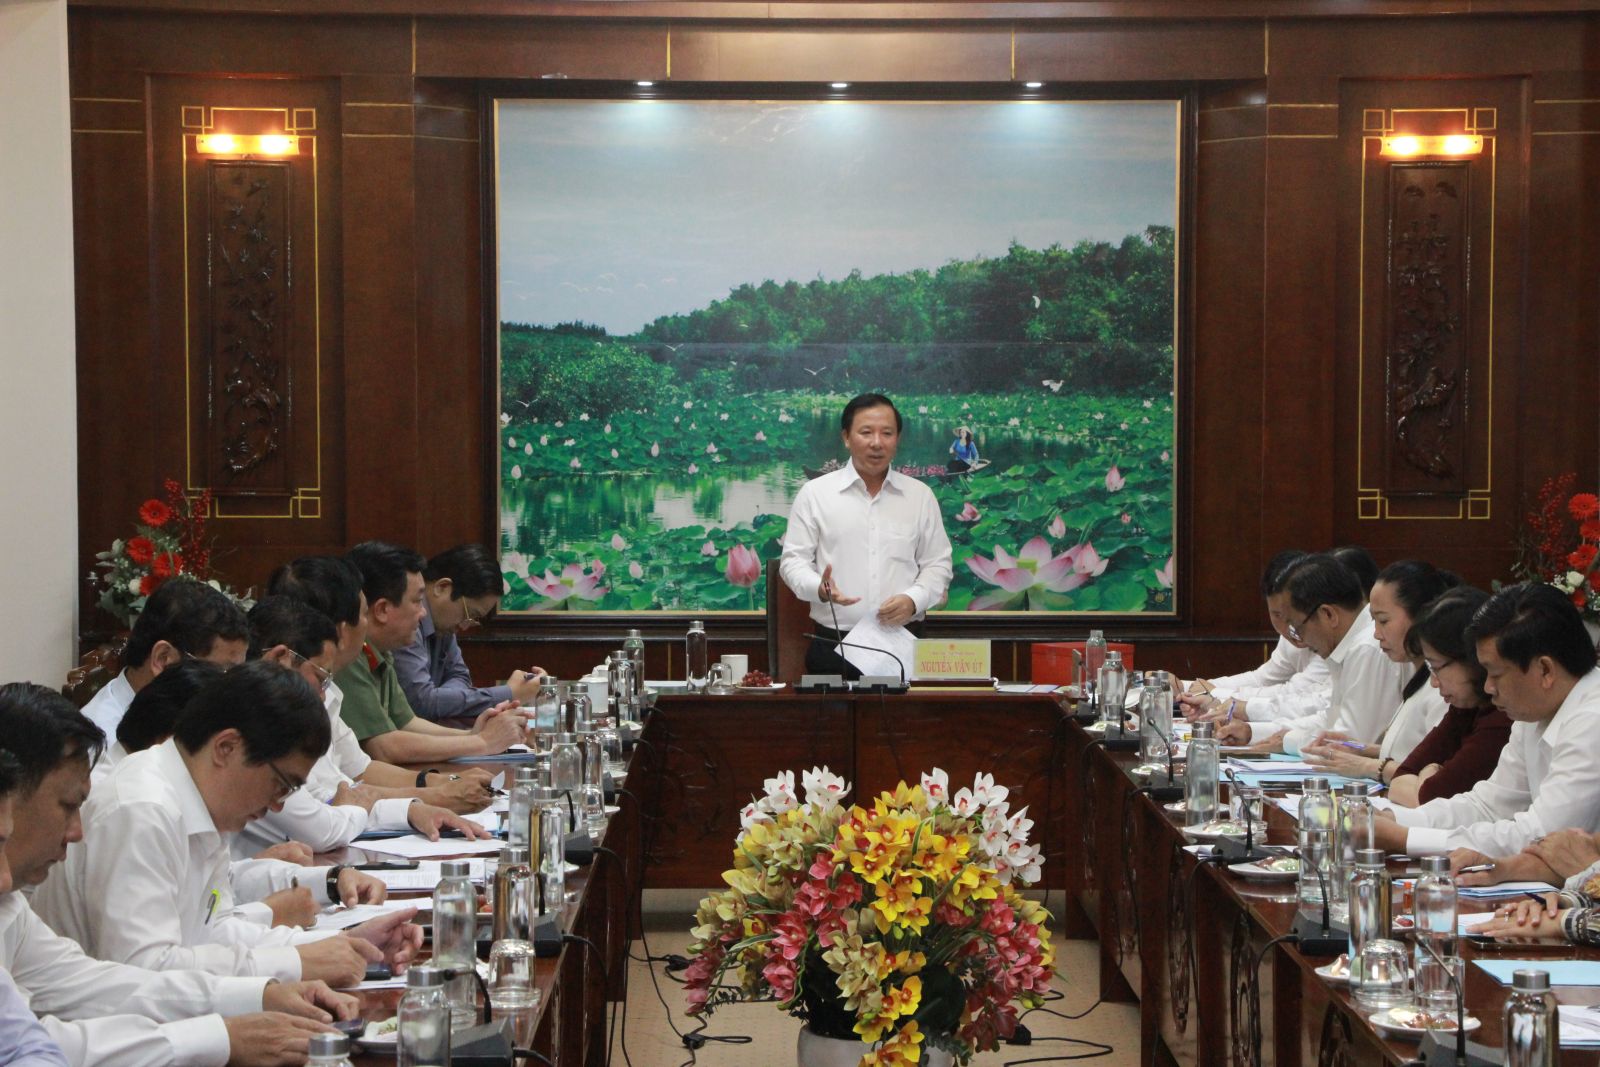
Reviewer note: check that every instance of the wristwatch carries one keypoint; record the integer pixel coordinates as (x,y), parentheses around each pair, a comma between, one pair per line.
(422,776)
(333,881)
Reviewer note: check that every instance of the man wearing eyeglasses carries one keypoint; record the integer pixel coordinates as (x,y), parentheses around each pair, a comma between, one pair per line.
(462,586)
(332,810)
(149,883)
(1329,615)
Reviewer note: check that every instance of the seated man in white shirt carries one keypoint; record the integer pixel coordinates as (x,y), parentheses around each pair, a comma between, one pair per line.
(111,1014)
(271,889)
(150,883)
(1540,667)
(1292,683)
(865,540)
(297,637)
(183,618)
(332,586)
(1331,618)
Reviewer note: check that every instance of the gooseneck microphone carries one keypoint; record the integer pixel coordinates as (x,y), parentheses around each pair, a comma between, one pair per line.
(872,683)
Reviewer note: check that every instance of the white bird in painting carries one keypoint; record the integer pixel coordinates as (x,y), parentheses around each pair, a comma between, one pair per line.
(1053,384)
(1036,301)
(818,371)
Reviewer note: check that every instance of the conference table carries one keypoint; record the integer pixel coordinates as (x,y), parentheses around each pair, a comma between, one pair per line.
(1192,943)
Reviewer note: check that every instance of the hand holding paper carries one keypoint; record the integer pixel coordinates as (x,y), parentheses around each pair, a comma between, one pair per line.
(870,636)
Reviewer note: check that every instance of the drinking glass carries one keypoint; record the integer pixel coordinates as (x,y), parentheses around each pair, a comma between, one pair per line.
(512,993)
(1435,991)
(1380,977)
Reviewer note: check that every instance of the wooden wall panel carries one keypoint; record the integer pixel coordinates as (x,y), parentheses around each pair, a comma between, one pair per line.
(1269,389)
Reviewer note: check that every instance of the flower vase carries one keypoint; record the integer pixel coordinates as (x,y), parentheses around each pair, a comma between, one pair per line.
(815,1050)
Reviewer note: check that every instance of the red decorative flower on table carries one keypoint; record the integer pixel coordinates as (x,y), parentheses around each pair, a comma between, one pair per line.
(147,584)
(166,565)
(1582,557)
(141,550)
(1584,506)
(154,512)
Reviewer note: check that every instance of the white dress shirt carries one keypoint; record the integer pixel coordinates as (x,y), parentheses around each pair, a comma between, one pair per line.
(150,885)
(113,1015)
(879,546)
(1548,779)
(1293,683)
(107,707)
(1419,713)
(308,816)
(1364,694)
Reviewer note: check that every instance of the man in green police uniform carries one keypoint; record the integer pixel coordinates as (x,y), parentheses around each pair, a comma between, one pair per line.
(374,706)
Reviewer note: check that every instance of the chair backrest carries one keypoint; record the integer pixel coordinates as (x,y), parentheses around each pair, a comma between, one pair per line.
(1052,660)
(97,667)
(788,619)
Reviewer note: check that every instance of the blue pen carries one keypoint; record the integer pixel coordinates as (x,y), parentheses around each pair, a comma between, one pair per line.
(212,910)
(1357,745)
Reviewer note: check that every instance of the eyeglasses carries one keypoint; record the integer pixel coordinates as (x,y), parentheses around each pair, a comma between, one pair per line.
(287,786)
(1297,629)
(1435,668)
(470,616)
(324,677)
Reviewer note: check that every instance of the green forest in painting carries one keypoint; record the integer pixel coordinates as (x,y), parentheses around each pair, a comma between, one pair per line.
(652,471)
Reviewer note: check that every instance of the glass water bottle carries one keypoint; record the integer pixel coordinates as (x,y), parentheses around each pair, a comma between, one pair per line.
(1200,776)
(1316,817)
(1532,1033)
(698,671)
(1113,690)
(328,1050)
(514,895)
(455,938)
(521,804)
(423,1032)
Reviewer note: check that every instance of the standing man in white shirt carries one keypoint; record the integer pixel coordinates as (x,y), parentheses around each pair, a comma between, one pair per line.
(865,538)
(1331,617)
(150,882)
(111,1014)
(1540,668)
(183,618)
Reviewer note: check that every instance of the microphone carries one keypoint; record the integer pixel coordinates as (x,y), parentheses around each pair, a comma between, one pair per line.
(1328,940)
(1246,852)
(1434,1050)
(1173,790)
(872,683)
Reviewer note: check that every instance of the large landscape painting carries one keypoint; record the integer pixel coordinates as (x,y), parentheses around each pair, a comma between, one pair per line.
(689,292)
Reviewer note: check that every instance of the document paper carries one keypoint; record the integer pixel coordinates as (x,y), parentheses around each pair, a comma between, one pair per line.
(872,634)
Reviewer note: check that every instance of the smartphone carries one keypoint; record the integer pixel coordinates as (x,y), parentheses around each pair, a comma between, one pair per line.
(350,1027)
(378,972)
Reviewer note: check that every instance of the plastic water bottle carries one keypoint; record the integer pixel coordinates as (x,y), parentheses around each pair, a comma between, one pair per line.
(1532,1034)
(1200,778)
(697,669)
(521,803)
(634,647)
(328,1050)
(1316,816)
(1113,689)
(455,937)
(423,1032)
(1094,656)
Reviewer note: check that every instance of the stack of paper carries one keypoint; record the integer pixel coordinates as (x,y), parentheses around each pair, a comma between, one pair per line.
(1503,889)
(416,846)
(425,875)
(1579,1025)
(344,918)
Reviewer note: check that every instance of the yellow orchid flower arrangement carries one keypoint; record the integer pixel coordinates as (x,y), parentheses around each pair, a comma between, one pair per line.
(901,925)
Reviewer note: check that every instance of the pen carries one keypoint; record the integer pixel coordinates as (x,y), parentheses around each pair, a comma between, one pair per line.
(1231,705)
(212,910)
(1476,868)
(1537,898)
(1357,745)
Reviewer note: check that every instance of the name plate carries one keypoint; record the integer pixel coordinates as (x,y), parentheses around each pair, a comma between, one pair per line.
(951,661)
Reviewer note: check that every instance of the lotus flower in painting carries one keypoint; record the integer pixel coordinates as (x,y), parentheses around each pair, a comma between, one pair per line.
(571,589)
(1024,581)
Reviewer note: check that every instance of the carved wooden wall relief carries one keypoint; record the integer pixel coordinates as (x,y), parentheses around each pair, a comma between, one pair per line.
(1428,290)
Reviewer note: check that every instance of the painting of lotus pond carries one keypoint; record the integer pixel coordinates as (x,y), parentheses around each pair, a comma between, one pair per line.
(690,291)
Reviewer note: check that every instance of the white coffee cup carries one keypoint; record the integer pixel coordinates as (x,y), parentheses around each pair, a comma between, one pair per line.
(739,665)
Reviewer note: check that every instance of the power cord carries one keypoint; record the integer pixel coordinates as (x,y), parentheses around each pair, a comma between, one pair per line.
(530,1054)
(622,868)
(600,962)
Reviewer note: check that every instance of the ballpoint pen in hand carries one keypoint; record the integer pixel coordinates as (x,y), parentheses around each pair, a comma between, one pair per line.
(1356,745)
(1231,705)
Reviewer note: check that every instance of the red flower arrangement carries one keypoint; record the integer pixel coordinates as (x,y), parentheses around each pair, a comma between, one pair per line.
(171,542)
(1561,543)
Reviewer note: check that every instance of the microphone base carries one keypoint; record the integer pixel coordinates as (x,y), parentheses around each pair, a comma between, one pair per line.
(1085,718)
(1236,852)
(1163,794)
(1121,740)
(1439,1050)
(821,683)
(880,684)
(484,1045)
(1313,940)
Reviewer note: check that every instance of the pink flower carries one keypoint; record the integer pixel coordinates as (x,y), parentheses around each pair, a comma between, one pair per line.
(635,570)
(744,566)
(711,449)
(1126,518)
(708,549)
(1026,579)
(1057,527)
(617,542)
(576,464)
(574,583)
(761,435)
(694,468)
(1164,575)
(655,449)
(969,514)
(1166,456)
(1114,479)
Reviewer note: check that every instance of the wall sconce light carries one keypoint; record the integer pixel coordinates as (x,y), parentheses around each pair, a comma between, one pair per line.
(238,144)
(1405,146)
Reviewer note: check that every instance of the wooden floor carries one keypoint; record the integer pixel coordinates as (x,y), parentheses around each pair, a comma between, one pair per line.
(651,1041)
